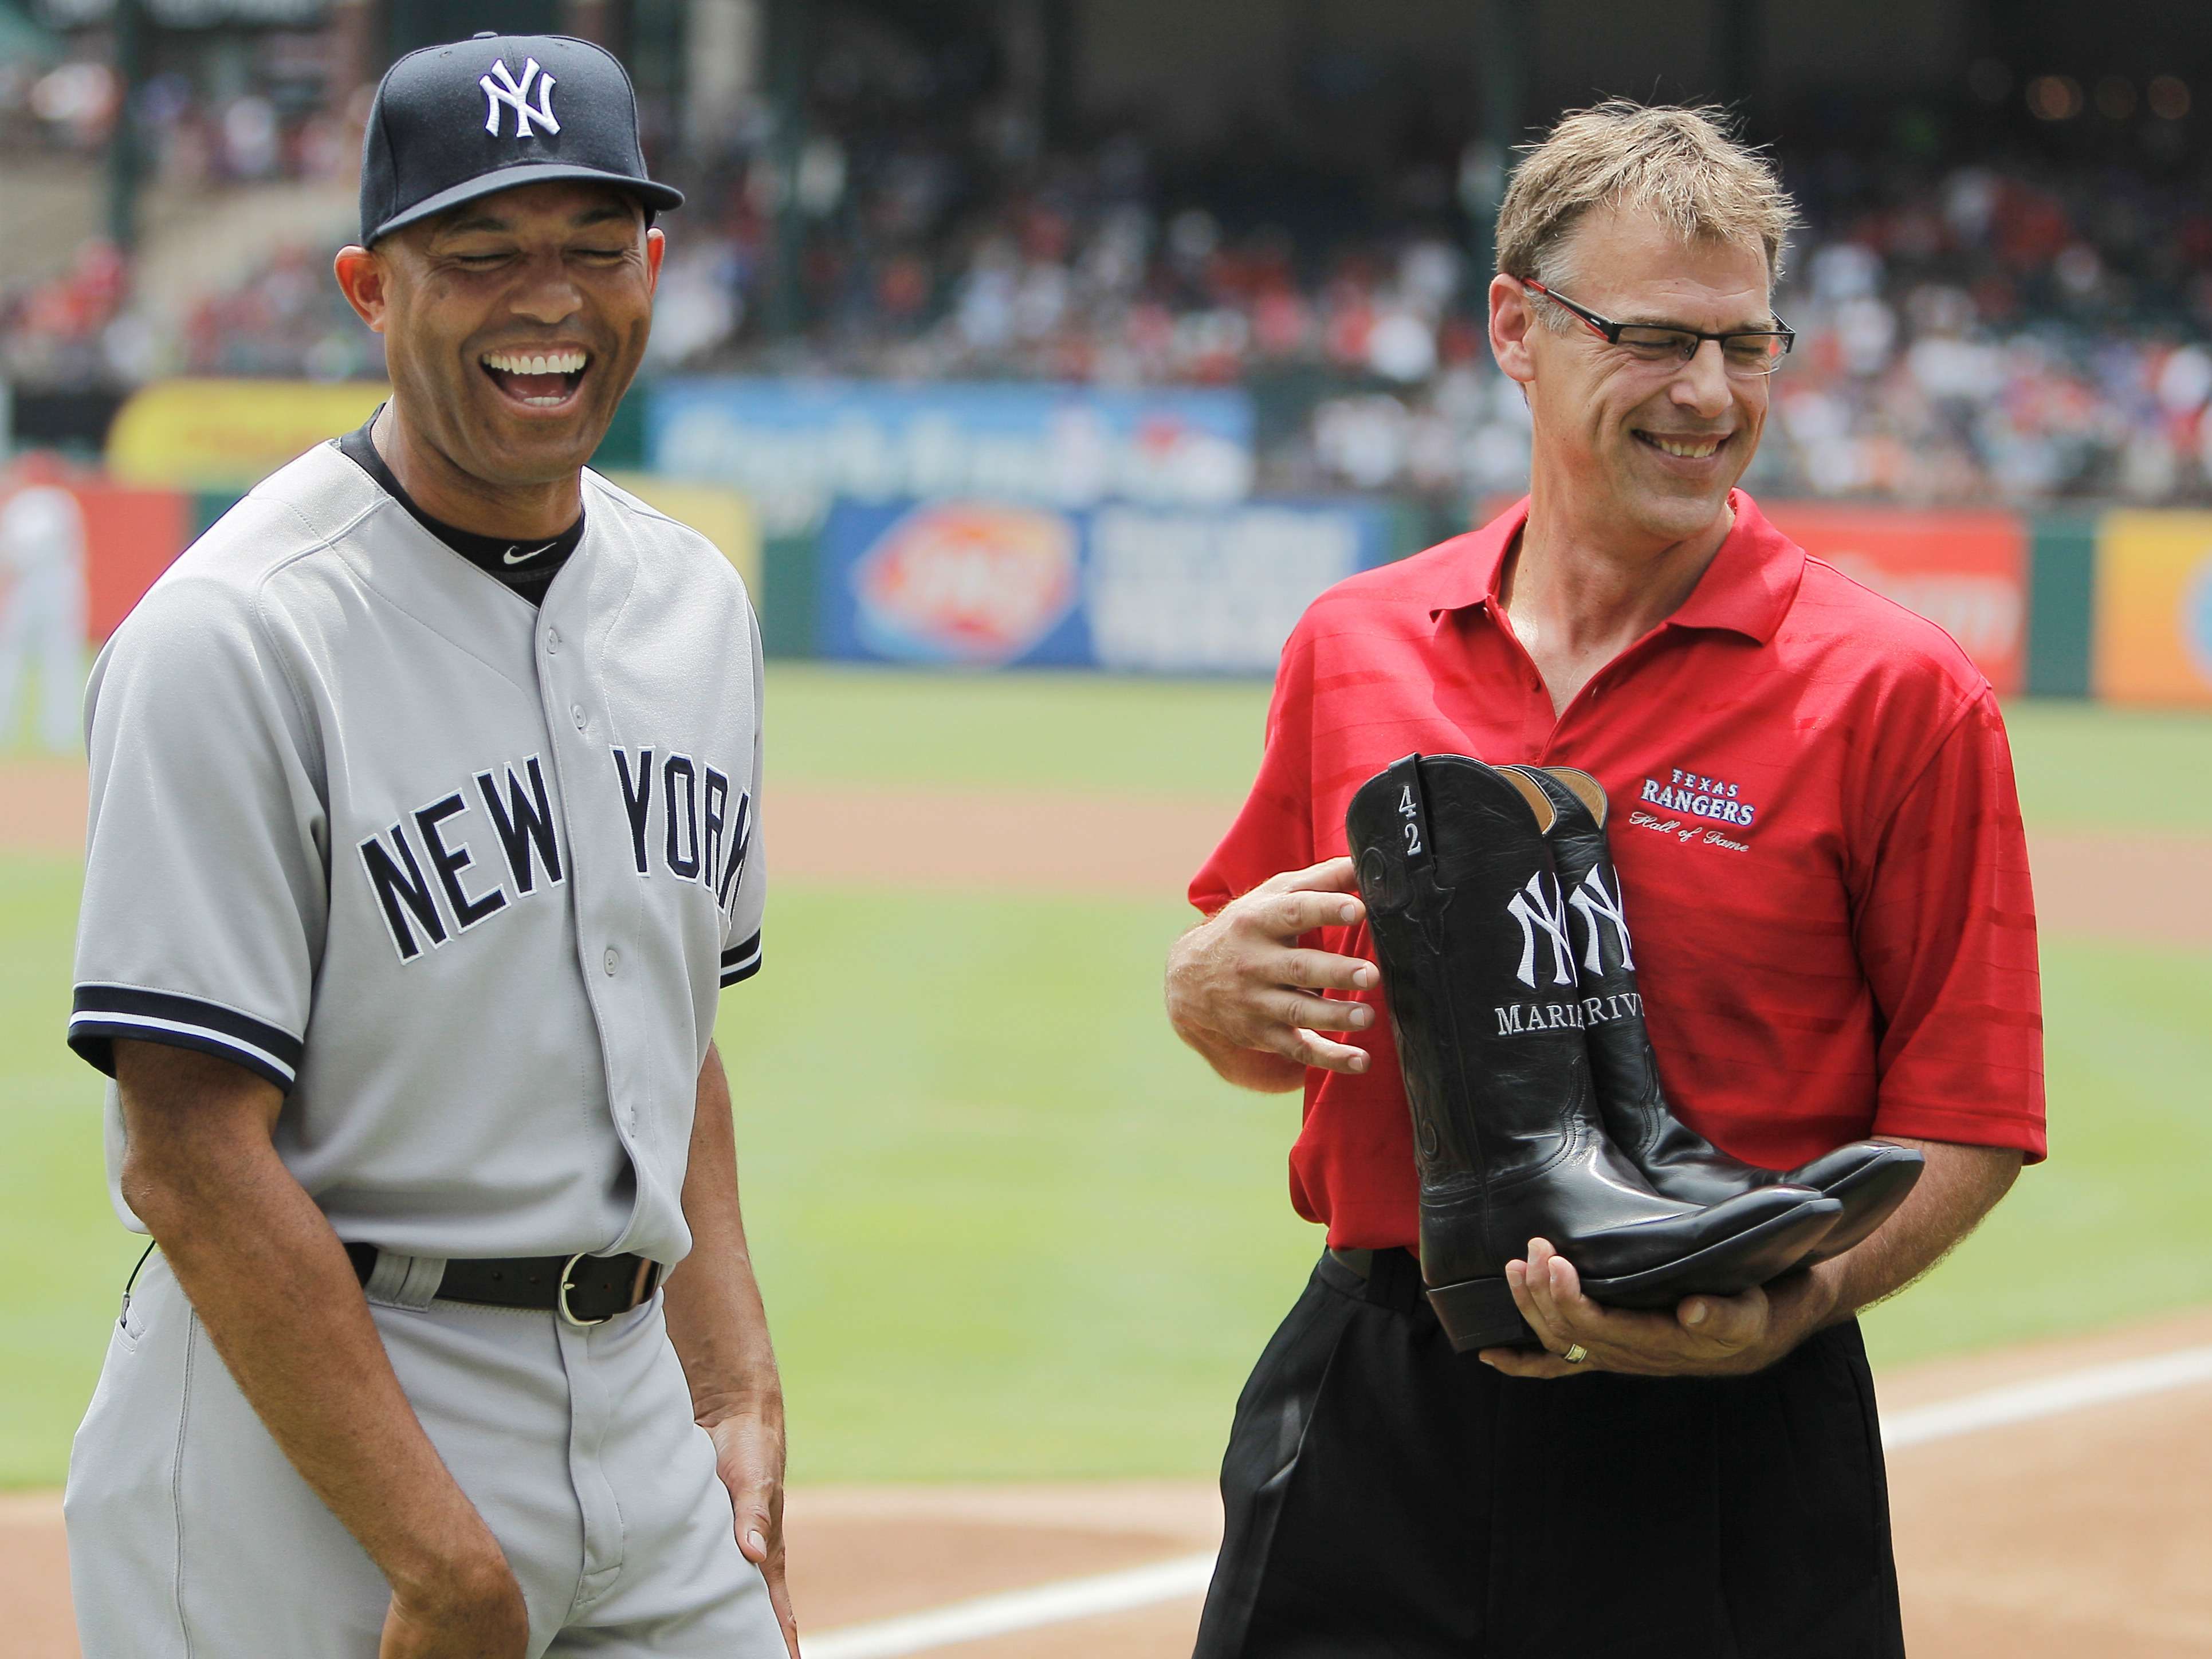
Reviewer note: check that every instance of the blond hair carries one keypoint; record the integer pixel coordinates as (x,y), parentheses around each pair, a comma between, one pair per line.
(1685,166)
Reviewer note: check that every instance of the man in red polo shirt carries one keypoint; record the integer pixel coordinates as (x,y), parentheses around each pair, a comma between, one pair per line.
(1813,814)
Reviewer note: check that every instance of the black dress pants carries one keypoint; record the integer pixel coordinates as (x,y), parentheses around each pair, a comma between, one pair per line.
(1388,1498)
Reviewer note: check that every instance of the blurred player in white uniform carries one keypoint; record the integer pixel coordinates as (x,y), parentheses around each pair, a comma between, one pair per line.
(42,604)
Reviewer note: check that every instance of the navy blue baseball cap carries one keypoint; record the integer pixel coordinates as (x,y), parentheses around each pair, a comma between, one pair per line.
(454,122)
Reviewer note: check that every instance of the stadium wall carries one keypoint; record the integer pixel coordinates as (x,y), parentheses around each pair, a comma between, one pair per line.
(1017,526)
(2115,607)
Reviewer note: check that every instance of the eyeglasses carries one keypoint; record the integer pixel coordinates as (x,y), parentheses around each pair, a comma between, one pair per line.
(1746,354)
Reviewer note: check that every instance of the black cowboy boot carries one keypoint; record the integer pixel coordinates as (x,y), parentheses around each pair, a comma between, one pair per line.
(1868,1178)
(1465,910)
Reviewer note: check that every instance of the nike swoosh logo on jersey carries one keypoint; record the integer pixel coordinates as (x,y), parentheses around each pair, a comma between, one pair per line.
(516,555)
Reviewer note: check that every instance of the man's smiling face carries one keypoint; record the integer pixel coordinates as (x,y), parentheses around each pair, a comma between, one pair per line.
(1654,448)
(514,324)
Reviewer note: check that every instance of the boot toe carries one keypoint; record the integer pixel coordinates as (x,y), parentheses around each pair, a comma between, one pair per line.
(1724,1251)
(1869,1180)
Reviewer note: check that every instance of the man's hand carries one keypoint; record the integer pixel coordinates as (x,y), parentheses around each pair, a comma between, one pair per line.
(748,1456)
(469,1612)
(1241,991)
(1734,1336)
(1704,1336)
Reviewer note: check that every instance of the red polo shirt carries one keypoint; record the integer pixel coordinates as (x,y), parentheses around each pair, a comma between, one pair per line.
(1813,815)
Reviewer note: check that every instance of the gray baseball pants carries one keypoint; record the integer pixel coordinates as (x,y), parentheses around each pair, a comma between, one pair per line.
(191,1537)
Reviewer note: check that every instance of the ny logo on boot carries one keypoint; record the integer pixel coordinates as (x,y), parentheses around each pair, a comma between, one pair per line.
(1532,911)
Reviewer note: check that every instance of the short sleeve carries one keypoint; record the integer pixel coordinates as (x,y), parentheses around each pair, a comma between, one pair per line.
(742,916)
(205,892)
(1273,830)
(1947,939)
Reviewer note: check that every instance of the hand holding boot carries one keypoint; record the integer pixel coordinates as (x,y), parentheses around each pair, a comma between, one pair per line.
(1703,1336)
(1242,992)
(1738,1334)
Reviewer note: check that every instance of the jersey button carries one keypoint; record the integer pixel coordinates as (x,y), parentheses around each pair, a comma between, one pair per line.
(552,641)
(581,719)
(613,958)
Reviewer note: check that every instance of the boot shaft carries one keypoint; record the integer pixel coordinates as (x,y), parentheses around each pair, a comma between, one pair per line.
(1623,1067)
(1477,957)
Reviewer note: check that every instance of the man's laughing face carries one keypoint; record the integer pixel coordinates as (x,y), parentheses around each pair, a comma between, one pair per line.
(514,324)
(1650,447)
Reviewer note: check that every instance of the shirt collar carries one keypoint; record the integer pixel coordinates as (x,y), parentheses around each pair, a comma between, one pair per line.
(1471,579)
(1747,589)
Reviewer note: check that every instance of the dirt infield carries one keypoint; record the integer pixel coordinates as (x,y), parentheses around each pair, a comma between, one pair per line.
(2082,1532)
(2154,887)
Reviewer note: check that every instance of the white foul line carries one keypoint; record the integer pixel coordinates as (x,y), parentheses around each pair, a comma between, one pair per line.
(1167,1581)
(2023,1402)
(998,1615)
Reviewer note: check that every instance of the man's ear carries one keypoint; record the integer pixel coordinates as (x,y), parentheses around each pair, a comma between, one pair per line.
(363,278)
(656,249)
(1512,320)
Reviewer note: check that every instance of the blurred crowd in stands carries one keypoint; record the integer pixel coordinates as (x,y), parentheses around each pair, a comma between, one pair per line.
(1993,332)
(267,128)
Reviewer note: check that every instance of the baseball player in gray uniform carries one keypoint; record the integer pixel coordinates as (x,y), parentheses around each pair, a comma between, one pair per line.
(424,833)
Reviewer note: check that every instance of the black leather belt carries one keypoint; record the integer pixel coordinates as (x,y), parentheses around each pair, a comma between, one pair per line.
(1390,1278)
(584,1289)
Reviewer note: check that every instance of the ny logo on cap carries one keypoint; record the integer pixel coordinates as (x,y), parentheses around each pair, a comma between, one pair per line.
(517,98)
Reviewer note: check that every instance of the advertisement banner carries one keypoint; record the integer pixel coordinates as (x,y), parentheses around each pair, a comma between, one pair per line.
(131,535)
(979,584)
(1966,572)
(229,435)
(1171,592)
(2154,632)
(795,445)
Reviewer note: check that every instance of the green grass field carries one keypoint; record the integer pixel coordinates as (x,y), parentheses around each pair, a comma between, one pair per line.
(1008,1226)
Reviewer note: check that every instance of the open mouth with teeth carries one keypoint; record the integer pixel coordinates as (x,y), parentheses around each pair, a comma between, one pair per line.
(1702,447)
(537,380)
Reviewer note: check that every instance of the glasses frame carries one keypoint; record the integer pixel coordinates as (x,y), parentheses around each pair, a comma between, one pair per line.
(1611,331)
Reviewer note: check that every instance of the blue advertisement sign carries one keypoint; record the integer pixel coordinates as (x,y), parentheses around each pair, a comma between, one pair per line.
(794,445)
(1139,589)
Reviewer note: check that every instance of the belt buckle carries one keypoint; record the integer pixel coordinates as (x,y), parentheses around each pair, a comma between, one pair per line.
(568,1284)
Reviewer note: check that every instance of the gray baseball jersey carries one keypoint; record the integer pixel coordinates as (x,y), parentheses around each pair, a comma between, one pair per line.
(461,875)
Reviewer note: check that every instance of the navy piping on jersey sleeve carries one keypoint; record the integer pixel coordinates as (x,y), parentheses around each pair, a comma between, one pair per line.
(103,1012)
(741,962)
